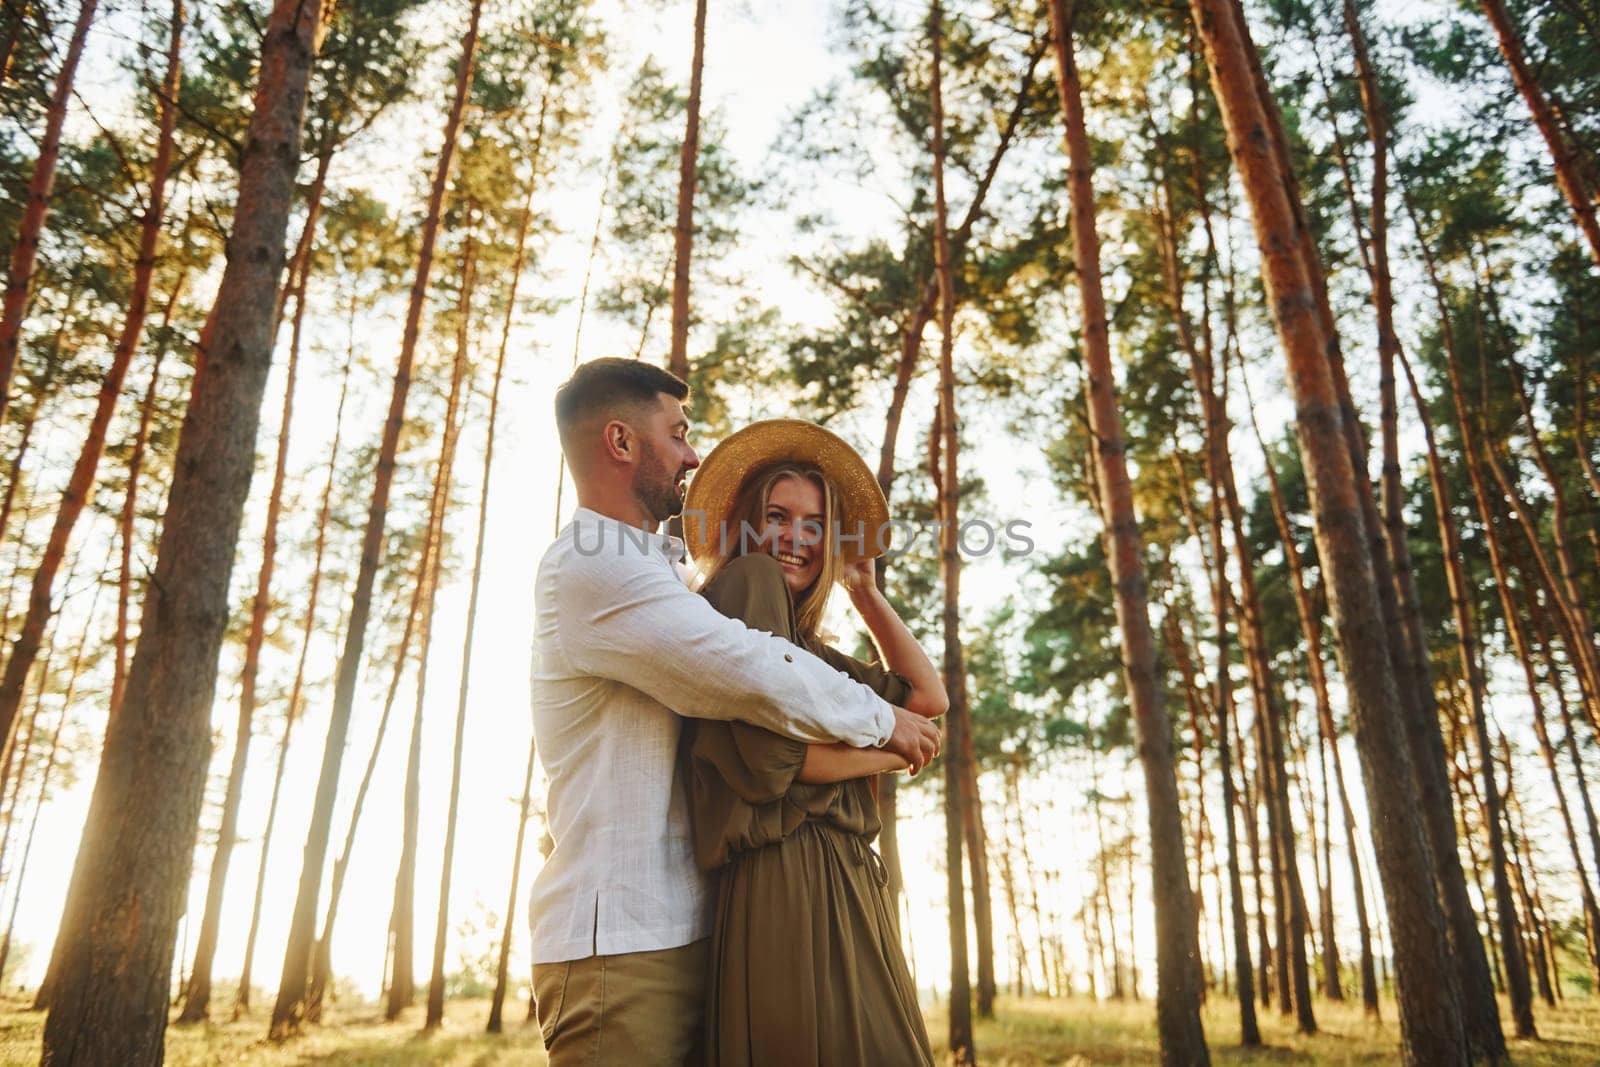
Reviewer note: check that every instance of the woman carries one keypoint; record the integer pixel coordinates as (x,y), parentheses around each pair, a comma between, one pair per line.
(806,965)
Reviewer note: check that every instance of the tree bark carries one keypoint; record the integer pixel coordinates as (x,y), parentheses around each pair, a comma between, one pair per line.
(683,230)
(1177,949)
(80,486)
(436,980)
(197,1003)
(963,1048)
(402,980)
(1565,157)
(1432,1030)
(130,512)
(110,998)
(289,1010)
(36,206)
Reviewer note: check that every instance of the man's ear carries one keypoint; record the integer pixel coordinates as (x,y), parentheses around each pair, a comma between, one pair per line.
(620,443)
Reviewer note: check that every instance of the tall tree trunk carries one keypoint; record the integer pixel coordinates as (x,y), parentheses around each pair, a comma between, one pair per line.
(1565,156)
(402,922)
(109,1001)
(292,713)
(1212,406)
(1524,875)
(17,12)
(497,1002)
(503,963)
(1393,566)
(130,510)
(977,843)
(80,486)
(441,926)
(36,206)
(1177,949)
(963,1048)
(198,1000)
(1432,1030)
(910,334)
(67,700)
(683,230)
(288,1012)
(322,954)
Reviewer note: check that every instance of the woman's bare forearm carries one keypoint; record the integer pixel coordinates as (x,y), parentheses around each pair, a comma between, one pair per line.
(826,764)
(901,652)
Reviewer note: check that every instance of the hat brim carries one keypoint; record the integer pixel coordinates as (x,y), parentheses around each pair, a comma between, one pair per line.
(863,519)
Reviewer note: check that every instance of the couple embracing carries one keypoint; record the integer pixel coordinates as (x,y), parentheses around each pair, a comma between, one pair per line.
(713,896)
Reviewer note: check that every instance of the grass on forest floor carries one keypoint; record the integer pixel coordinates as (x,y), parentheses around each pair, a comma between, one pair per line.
(1026,1032)
(1032,1032)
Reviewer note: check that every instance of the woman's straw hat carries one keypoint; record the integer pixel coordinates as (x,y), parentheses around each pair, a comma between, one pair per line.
(863,510)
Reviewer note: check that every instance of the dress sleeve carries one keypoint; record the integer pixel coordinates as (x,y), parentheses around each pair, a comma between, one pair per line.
(890,686)
(758,765)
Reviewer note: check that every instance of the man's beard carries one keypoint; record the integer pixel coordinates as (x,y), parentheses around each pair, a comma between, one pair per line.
(655,488)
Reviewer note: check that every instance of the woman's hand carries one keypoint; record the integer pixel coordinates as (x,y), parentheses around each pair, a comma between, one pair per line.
(858,577)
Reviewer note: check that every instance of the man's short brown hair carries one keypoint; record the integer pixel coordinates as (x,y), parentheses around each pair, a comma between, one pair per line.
(612,387)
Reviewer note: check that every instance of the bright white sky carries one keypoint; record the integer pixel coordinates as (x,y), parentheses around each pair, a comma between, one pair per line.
(762,62)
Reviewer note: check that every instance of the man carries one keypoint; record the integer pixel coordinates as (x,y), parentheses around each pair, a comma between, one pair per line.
(622,647)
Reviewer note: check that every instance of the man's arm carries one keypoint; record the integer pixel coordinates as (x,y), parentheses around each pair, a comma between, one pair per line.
(628,618)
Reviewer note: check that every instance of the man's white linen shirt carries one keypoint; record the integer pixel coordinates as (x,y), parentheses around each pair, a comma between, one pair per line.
(620,644)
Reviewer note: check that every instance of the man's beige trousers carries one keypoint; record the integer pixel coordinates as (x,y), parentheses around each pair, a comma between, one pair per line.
(638,1009)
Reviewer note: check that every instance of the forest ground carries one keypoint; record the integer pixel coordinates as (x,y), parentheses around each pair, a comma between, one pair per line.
(1026,1032)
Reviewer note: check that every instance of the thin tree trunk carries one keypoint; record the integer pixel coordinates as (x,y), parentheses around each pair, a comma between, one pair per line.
(17,12)
(198,1001)
(36,206)
(67,699)
(1527,886)
(322,954)
(497,1003)
(683,231)
(503,964)
(436,981)
(109,1002)
(80,486)
(307,628)
(288,1012)
(1565,157)
(130,510)
(963,1048)
(1177,948)
(1432,1030)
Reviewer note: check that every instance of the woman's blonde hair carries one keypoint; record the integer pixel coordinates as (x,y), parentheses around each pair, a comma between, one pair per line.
(749,513)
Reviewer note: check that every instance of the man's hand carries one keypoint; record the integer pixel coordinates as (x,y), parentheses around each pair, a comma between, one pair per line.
(915,739)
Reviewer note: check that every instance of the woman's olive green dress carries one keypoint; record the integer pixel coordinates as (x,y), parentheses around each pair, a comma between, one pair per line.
(806,964)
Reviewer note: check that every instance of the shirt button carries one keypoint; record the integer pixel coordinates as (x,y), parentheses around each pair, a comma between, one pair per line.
(787,658)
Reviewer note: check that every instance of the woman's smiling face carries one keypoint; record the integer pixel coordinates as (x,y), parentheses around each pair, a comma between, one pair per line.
(792,530)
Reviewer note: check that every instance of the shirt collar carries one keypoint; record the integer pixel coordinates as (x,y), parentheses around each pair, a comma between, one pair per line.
(671,547)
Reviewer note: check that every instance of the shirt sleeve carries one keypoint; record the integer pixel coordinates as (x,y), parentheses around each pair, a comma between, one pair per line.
(891,686)
(625,616)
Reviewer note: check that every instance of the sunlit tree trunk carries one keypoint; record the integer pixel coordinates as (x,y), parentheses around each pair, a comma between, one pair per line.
(1568,175)
(289,1010)
(683,231)
(441,927)
(402,920)
(110,997)
(1177,950)
(36,205)
(80,486)
(1432,1030)
(197,1003)
(297,688)
(130,510)
(963,1048)
(502,966)
(910,337)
